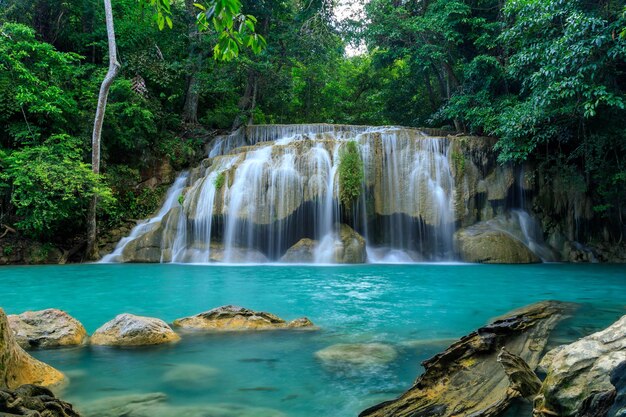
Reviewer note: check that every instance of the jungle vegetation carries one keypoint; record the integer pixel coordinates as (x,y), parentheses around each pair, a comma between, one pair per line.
(546,77)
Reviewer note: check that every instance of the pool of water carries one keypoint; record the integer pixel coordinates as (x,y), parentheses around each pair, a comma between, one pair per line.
(415,308)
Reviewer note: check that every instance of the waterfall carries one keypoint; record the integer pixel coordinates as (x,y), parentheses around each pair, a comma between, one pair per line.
(267,189)
(171,200)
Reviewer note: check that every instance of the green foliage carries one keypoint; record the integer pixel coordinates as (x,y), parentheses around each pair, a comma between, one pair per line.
(219,180)
(51,186)
(351,174)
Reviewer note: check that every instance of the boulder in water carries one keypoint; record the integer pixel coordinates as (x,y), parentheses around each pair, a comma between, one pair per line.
(578,381)
(130,330)
(233,318)
(33,401)
(480,243)
(46,329)
(357,354)
(17,367)
(303,251)
(466,378)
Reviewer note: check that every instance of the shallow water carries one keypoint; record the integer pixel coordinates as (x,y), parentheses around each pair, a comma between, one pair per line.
(277,371)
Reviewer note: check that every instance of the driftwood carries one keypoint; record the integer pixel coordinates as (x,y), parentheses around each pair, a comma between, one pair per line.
(466,379)
(33,401)
(7,229)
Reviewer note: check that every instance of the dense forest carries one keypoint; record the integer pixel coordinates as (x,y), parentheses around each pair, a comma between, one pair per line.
(546,77)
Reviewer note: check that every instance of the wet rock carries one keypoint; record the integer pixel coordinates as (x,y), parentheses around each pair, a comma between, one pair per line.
(522,379)
(483,244)
(357,354)
(466,378)
(352,249)
(33,401)
(190,376)
(618,379)
(303,251)
(17,367)
(578,375)
(156,405)
(130,330)
(46,329)
(233,318)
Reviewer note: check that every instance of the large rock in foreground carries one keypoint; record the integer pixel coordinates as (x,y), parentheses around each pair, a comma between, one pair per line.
(466,379)
(33,401)
(233,318)
(480,243)
(46,329)
(618,379)
(578,381)
(130,330)
(17,367)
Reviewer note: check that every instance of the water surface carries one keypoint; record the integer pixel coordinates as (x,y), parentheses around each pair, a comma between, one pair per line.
(276,373)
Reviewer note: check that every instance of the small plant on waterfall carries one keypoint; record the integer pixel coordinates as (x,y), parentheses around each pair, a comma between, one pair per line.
(350,174)
(219,180)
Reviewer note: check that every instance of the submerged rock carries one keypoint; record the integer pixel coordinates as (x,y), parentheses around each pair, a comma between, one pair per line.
(303,251)
(357,354)
(190,376)
(17,367)
(46,329)
(33,401)
(480,243)
(578,380)
(466,378)
(130,330)
(156,405)
(233,318)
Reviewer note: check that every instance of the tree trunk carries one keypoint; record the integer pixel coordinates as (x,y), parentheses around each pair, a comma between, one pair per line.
(192,93)
(247,102)
(114,67)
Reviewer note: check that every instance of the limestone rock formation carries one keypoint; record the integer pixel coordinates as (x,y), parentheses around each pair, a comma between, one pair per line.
(33,401)
(578,375)
(302,252)
(466,379)
(233,318)
(481,243)
(357,354)
(46,329)
(17,367)
(130,330)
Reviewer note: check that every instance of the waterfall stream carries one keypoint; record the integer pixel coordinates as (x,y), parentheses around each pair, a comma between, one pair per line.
(271,193)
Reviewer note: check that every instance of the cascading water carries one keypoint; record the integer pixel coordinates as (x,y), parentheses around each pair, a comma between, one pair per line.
(266,189)
(171,200)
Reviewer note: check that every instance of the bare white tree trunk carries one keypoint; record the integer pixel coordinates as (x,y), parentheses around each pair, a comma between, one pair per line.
(114,67)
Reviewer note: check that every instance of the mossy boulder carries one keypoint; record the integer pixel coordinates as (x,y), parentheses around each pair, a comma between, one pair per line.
(482,244)
(303,251)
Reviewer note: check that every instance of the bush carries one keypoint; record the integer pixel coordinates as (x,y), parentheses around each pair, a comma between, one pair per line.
(351,174)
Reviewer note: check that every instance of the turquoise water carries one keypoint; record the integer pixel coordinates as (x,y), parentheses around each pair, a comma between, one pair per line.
(276,373)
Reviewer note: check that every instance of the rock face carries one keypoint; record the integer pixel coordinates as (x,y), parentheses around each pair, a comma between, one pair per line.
(578,375)
(233,318)
(618,379)
(46,329)
(466,379)
(481,243)
(366,354)
(522,378)
(32,401)
(17,367)
(130,330)
(303,251)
